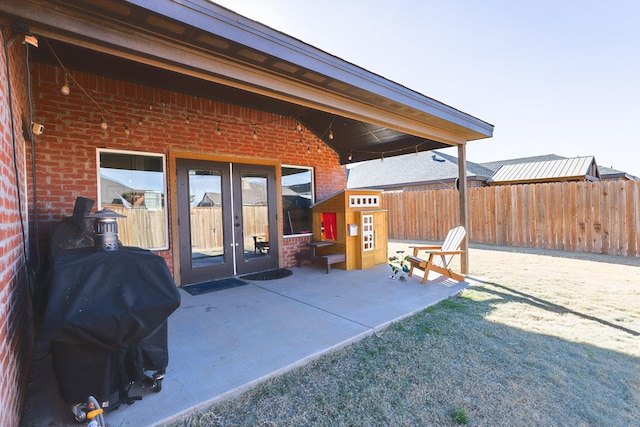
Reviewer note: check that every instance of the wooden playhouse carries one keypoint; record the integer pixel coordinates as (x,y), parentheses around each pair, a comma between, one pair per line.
(350,223)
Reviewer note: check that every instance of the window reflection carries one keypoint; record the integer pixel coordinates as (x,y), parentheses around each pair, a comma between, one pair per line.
(297,198)
(255,214)
(133,185)
(207,232)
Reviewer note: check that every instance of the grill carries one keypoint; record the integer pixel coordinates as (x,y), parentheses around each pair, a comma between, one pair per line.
(105,312)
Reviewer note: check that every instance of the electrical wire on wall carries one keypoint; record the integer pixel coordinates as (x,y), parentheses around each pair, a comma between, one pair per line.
(31,262)
(33,158)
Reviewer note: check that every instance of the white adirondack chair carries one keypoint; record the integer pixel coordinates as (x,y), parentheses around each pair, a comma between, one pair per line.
(440,256)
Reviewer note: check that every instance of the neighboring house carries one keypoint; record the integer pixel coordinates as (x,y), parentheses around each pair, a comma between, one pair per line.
(495,165)
(604,173)
(611,174)
(434,170)
(414,172)
(208,200)
(574,169)
(184,94)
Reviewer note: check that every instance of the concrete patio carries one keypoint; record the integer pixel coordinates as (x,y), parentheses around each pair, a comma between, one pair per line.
(225,342)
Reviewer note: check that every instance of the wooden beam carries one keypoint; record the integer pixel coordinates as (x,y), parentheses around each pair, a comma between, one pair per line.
(464,207)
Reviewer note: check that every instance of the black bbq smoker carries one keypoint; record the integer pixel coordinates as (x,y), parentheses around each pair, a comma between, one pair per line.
(105,315)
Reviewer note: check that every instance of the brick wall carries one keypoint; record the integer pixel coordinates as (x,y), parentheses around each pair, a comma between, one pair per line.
(15,305)
(65,153)
(290,246)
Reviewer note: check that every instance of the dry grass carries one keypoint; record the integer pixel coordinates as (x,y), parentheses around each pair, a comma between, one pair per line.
(541,340)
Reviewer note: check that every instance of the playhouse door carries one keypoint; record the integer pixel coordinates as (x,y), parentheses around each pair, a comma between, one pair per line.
(226,213)
(380,236)
(374,238)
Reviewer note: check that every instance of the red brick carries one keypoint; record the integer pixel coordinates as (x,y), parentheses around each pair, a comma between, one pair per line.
(14,336)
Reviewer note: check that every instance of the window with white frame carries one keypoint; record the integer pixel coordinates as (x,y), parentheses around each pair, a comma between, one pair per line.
(134,185)
(367,233)
(358,201)
(297,198)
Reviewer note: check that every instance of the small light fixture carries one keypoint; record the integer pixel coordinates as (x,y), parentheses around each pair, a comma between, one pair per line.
(31,39)
(150,105)
(350,156)
(330,134)
(298,126)
(37,128)
(140,120)
(65,88)
(164,104)
(126,129)
(187,119)
(218,131)
(255,133)
(103,124)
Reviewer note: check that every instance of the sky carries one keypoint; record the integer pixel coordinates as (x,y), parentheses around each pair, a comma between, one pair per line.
(553,76)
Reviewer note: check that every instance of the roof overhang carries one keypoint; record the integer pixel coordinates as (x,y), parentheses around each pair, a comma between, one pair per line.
(197,47)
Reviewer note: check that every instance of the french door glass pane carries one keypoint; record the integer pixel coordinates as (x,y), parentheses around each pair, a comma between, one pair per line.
(255,215)
(205,202)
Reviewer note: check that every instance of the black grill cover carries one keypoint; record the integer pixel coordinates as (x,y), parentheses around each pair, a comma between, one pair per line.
(107,299)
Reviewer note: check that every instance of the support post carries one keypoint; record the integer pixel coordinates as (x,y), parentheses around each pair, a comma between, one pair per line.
(464,207)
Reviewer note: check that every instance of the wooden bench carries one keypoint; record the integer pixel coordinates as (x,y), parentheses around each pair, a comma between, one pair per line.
(333,259)
(325,260)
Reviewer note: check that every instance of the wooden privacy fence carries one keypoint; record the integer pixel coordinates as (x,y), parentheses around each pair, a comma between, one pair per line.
(597,217)
(146,228)
(141,227)
(206,225)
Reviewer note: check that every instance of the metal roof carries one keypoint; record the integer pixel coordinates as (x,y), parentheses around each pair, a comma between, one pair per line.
(202,49)
(577,168)
(496,164)
(605,172)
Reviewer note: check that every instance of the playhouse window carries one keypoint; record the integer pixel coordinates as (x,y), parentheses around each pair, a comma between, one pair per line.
(133,184)
(297,198)
(367,233)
